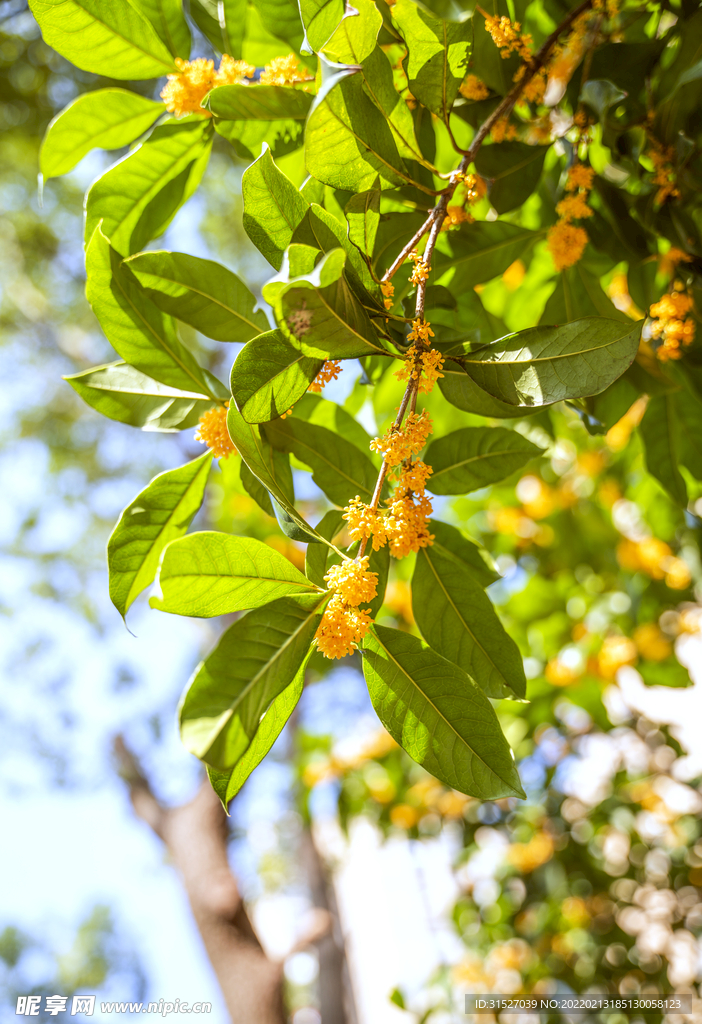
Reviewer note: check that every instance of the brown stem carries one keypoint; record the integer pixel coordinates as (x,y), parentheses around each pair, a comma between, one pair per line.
(392,270)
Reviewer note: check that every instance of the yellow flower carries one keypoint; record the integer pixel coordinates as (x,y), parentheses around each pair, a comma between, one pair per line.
(352,581)
(420,270)
(421,331)
(580,176)
(566,243)
(213,432)
(574,207)
(507,36)
(342,628)
(397,445)
(672,324)
(388,290)
(284,71)
(502,130)
(422,366)
(184,92)
(473,88)
(455,216)
(408,528)
(330,371)
(476,188)
(413,477)
(365,522)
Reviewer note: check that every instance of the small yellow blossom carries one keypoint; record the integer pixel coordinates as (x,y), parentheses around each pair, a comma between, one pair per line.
(352,581)
(662,158)
(420,270)
(330,371)
(342,628)
(213,432)
(574,207)
(397,445)
(672,326)
(455,216)
(580,176)
(284,71)
(366,522)
(507,36)
(185,91)
(388,290)
(472,88)
(423,366)
(409,528)
(502,130)
(413,478)
(566,243)
(421,331)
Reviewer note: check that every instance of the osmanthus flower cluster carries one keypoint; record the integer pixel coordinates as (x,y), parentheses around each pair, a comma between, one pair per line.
(185,91)
(567,241)
(212,431)
(404,206)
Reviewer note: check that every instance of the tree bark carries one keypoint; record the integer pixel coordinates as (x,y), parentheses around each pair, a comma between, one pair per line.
(195,835)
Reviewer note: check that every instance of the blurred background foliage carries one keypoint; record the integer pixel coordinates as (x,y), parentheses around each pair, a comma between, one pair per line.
(595,882)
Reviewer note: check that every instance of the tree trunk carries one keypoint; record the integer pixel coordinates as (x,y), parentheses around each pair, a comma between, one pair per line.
(196,838)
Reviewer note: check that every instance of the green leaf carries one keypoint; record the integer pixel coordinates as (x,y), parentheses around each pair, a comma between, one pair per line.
(206,574)
(269,376)
(168,19)
(461,390)
(104,119)
(207,16)
(273,208)
(320,18)
(201,293)
(103,37)
(137,198)
(482,251)
(437,55)
(253,663)
(318,556)
(474,457)
(269,466)
(122,393)
(338,467)
(320,230)
(320,315)
(159,514)
(249,138)
(139,332)
(227,784)
(357,34)
(235,26)
(259,103)
(255,489)
(456,617)
(578,294)
(282,19)
(660,433)
(513,170)
(437,713)
(547,364)
(451,543)
(316,409)
(348,141)
(363,216)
